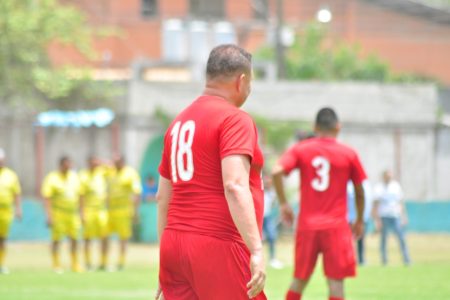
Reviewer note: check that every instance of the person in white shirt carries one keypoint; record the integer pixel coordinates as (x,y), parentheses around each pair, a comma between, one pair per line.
(352,214)
(390,214)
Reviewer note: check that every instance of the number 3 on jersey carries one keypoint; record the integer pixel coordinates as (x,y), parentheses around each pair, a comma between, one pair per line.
(322,166)
(182,138)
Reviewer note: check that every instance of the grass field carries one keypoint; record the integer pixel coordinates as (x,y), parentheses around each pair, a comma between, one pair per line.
(427,278)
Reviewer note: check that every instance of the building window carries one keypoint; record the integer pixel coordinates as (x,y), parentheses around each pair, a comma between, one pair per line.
(148,8)
(207,9)
(260,9)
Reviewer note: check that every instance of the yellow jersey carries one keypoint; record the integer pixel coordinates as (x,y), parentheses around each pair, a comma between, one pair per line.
(93,187)
(63,191)
(9,189)
(124,184)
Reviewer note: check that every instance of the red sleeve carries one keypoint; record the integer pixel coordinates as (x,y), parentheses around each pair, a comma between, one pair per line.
(237,135)
(289,160)
(164,166)
(358,175)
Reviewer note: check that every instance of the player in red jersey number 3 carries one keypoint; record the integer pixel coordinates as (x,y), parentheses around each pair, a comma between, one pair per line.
(326,166)
(210,195)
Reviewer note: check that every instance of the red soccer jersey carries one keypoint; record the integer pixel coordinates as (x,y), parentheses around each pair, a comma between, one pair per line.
(325,168)
(194,145)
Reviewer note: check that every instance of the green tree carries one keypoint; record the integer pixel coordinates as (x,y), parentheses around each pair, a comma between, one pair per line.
(27,77)
(309,58)
(278,134)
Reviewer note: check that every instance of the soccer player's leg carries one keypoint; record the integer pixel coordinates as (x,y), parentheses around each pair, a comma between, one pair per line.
(338,258)
(124,231)
(113,229)
(271,238)
(89,233)
(57,234)
(173,274)
(383,239)
(400,233)
(5,222)
(220,269)
(102,219)
(306,253)
(73,230)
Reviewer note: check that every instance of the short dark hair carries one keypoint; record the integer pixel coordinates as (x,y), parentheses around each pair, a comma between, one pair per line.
(327,119)
(63,159)
(228,60)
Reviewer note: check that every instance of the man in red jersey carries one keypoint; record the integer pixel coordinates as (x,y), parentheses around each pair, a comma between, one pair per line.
(210,193)
(325,167)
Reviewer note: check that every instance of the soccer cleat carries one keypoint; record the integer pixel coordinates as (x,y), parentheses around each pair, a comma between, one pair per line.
(4,271)
(276,264)
(89,268)
(102,268)
(77,269)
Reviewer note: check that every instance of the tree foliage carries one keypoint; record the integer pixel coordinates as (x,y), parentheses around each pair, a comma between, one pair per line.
(27,77)
(278,134)
(310,58)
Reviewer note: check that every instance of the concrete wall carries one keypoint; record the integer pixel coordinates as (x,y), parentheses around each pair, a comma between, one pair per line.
(441,180)
(355,102)
(17,139)
(20,139)
(391,126)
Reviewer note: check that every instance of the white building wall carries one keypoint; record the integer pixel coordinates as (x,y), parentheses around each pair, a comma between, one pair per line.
(391,126)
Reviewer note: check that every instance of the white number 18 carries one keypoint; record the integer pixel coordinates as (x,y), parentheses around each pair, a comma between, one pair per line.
(182,138)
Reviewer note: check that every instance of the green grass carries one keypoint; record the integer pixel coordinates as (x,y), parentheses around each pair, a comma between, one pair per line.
(427,278)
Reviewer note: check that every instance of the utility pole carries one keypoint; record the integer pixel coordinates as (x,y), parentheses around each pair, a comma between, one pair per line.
(279,47)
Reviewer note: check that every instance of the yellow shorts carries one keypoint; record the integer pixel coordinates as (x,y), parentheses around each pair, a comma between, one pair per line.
(5,224)
(95,224)
(120,223)
(65,224)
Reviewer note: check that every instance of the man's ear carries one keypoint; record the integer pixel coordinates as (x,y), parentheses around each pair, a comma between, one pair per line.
(240,81)
(316,129)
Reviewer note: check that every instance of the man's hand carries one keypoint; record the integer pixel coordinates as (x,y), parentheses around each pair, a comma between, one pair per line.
(49,221)
(358,229)
(287,214)
(258,270)
(19,214)
(377,225)
(136,218)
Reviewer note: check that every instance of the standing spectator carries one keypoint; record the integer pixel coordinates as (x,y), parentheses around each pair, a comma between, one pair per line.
(270,222)
(124,190)
(326,166)
(60,191)
(360,245)
(10,205)
(390,214)
(210,194)
(93,189)
(149,190)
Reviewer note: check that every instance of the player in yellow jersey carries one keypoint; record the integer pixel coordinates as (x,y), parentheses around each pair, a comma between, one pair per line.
(60,191)
(123,201)
(93,191)
(9,199)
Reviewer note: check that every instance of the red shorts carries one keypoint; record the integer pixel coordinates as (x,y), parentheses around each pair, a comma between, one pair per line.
(194,266)
(336,246)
